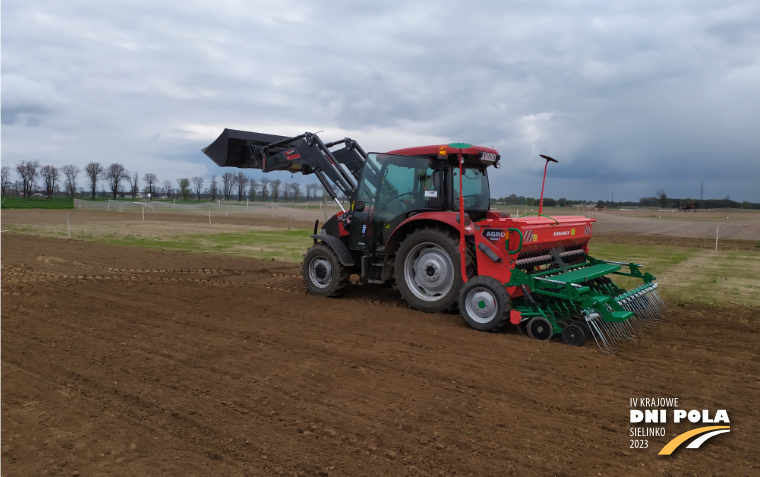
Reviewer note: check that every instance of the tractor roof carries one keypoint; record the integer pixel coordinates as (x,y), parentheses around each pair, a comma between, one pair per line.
(473,155)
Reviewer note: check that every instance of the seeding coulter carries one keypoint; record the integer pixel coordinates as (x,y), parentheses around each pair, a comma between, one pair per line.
(420,218)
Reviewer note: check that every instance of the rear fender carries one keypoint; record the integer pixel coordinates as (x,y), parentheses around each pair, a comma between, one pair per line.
(445,220)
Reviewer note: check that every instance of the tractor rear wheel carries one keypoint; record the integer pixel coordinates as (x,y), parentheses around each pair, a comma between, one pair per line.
(323,273)
(428,271)
(484,303)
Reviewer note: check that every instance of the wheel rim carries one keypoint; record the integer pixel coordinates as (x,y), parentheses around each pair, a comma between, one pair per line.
(540,329)
(320,272)
(573,335)
(429,271)
(480,305)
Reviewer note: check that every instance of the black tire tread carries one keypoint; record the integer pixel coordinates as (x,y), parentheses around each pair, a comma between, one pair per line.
(343,272)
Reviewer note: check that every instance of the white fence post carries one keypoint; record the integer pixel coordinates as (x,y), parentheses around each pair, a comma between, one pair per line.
(717,232)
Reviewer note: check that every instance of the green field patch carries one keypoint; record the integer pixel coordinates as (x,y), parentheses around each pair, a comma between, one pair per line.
(37,203)
(726,277)
(655,259)
(691,274)
(287,245)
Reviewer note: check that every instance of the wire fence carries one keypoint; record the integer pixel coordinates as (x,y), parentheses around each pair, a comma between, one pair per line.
(743,228)
(294,210)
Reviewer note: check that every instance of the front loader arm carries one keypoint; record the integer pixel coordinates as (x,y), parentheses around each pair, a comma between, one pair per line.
(305,153)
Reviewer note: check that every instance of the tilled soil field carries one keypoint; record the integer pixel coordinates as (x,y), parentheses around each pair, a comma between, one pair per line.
(121,361)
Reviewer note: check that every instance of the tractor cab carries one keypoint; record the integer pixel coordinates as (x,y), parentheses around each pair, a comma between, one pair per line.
(397,185)
(475,161)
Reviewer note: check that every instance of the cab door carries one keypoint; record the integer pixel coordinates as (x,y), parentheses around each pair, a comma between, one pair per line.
(391,186)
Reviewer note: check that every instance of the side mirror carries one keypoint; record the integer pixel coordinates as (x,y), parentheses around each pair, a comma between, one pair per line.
(359,206)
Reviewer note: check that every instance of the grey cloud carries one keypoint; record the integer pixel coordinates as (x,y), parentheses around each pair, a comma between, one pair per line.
(630,96)
(29,115)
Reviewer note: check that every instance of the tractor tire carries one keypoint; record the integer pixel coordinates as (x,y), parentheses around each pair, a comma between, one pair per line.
(323,274)
(428,271)
(484,304)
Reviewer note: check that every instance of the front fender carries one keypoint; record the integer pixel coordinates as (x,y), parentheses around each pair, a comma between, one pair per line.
(338,247)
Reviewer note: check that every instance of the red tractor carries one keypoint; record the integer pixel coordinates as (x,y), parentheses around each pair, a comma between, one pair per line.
(421,217)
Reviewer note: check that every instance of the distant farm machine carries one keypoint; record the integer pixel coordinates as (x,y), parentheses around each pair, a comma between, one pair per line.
(421,217)
(690,207)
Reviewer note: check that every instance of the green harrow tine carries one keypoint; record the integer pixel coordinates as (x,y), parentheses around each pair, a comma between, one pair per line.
(604,340)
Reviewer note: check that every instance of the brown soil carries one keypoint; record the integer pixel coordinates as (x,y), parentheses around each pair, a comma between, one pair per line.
(120,361)
(653,239)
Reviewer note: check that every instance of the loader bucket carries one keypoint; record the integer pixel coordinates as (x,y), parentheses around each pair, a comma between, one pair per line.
(233,148)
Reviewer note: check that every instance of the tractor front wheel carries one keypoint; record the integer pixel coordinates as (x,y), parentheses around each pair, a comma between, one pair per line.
(323,273)
(428,272)
(484,303)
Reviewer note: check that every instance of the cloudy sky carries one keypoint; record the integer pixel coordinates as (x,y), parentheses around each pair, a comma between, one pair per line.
(630,96)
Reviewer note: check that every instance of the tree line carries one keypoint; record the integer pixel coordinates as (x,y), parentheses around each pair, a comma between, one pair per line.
(34,178)
(660,199)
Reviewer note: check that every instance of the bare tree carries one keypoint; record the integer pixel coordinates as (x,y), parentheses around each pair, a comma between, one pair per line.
(662,198)
(198,182)
(254,186)
(184,187)
(311,188)
(241,181)
(168,189)
(286,192)
(70,173)
(296,189)
(134,184)
(5,180)
(228,181)
(114,174)
(308,191)
(213,188)
(275,186)
(264,189)
(94,172)
(152,181)
(50,176)
(28,170)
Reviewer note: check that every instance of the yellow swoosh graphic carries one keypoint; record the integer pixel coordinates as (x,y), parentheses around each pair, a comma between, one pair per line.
(680,439)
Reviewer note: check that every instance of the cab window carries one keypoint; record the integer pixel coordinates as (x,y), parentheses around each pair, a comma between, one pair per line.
(475,185)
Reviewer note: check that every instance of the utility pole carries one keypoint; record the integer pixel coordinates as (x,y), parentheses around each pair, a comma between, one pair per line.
(702,195)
